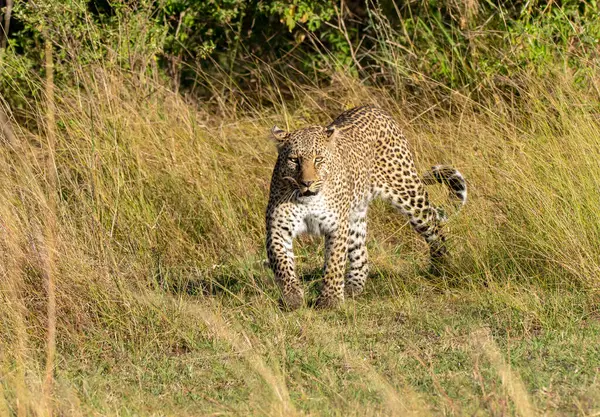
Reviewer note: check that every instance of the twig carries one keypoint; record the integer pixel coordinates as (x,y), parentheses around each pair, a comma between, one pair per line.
(342,28)
(6,27)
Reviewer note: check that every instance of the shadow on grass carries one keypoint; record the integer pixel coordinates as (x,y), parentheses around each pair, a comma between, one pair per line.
(222,280)
(244,280)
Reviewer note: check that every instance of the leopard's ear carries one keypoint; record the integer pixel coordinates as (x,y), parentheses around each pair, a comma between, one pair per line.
(279,136)
(331,133)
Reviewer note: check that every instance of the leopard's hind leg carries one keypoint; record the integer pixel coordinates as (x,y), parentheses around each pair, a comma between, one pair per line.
(405,191)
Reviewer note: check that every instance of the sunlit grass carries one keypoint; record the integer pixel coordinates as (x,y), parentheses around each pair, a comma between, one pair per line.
(164,304)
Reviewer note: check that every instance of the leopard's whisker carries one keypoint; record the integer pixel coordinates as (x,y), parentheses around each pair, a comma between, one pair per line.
(292,195)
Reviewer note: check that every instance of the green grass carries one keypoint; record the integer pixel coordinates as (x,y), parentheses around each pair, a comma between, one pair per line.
(421,343)
(165,307)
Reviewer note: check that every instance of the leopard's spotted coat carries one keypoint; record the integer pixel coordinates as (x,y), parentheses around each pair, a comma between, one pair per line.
(322,184)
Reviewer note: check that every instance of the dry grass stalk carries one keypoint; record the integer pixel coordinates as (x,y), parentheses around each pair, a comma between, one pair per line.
(510,379)
(49,270)
(243,345)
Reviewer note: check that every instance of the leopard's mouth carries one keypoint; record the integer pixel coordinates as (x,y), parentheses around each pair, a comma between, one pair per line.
(307,192)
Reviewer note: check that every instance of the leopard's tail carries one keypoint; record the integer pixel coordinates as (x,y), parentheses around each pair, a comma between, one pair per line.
(444,174)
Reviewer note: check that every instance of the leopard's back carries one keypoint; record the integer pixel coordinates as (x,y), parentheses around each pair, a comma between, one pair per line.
(372,148)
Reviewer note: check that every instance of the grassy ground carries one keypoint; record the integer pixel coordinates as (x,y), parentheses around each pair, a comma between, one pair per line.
(164,305)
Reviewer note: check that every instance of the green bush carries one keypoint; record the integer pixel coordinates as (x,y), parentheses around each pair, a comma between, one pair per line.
(437,45)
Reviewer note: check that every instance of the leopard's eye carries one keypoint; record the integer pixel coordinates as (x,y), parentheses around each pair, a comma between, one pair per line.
(293,160)
(319,159)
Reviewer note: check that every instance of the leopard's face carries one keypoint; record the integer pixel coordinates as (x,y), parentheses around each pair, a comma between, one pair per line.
(305,159)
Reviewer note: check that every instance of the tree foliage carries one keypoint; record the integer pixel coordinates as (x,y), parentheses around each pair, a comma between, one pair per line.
(456,44)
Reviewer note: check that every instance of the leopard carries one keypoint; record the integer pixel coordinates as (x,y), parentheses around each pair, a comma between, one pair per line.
(322,183)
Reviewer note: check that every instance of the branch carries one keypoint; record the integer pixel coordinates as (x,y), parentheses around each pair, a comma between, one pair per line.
(6,27)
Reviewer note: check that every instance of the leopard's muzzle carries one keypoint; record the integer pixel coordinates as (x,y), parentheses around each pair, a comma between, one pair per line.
(309,188)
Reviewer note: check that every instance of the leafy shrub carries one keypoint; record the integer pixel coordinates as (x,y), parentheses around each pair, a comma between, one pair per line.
(437,45)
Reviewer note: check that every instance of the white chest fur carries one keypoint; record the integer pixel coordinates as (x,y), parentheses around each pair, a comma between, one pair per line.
(314,217)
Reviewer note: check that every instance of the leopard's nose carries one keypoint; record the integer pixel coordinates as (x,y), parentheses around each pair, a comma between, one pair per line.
(306,184)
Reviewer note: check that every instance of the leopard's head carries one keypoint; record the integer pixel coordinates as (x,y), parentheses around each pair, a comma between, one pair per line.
(305,157)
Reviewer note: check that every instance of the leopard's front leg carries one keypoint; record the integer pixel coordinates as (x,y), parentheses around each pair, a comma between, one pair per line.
(336,252)
(280,226)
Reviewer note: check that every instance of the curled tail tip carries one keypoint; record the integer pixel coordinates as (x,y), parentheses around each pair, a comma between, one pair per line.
(444,174)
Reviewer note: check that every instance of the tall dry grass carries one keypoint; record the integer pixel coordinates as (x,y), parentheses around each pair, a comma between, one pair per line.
(150,196)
